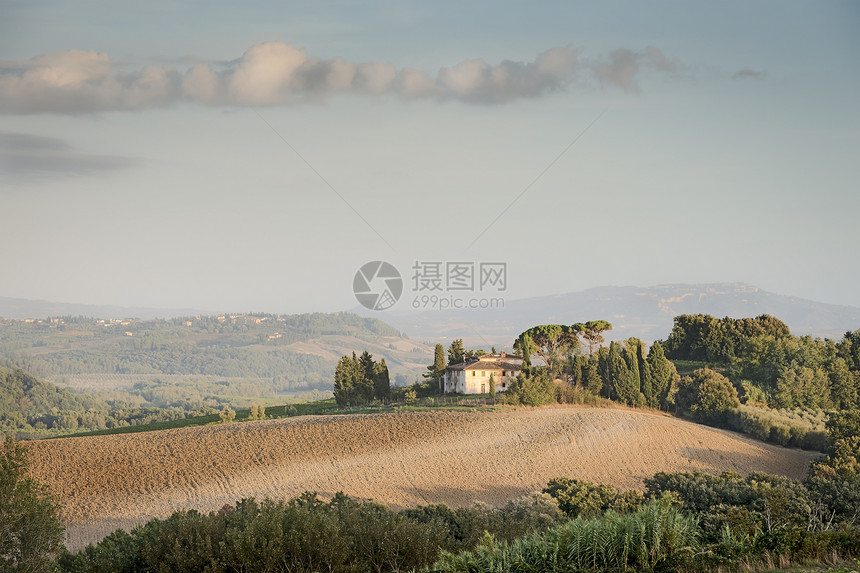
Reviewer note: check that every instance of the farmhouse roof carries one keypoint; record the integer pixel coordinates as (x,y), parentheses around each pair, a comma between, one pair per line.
(485,365)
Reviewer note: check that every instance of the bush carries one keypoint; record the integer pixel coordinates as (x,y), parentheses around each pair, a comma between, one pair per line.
(31,533)
(227,414)
(531,390)
(707,396)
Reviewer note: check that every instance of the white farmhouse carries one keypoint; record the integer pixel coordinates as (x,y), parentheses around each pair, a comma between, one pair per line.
(474,377)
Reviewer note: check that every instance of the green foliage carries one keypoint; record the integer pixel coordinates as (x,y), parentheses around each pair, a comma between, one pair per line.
(360,380)
(307,534)
(31,532)
(437,369)
(798,428)
(531,390)
(707,396)
(456,352)
(592,331)
(258,412)
(703,337)
(787,371)
(664,377)
(657,536)
(578,498)
(227,415)
(549,342)
(843,429)
(410,398)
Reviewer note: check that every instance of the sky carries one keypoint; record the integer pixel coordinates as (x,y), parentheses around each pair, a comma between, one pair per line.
(252,157)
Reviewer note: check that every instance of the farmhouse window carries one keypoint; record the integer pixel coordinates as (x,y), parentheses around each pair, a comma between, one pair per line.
(473,372)
(483,373)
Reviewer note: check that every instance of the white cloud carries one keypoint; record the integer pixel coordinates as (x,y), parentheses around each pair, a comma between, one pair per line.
(275,73)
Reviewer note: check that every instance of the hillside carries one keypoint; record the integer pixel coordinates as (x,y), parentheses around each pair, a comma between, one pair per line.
(24,398)
(263,354)
(644,312)
(402,459)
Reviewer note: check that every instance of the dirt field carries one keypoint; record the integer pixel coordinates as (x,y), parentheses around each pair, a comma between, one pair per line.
(406,459)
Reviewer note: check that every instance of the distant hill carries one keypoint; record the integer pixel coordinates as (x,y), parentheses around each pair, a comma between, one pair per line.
(645,312)
(289,352)
(22,308)
(24,398)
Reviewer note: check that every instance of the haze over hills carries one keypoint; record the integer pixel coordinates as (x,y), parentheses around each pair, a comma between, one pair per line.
(22,308)
(645,312)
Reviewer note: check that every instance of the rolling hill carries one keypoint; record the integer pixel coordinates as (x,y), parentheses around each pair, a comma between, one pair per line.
(401,459)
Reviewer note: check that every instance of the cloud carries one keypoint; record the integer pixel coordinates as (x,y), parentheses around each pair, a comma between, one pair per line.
(624,66)
(26,157)
(276,73)
(748,74)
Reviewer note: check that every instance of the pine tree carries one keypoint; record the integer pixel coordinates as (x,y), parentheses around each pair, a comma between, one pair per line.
(662,374)
(492,388)
(456,352)
(381,381)
(365,374)
(343,381)
(645,377)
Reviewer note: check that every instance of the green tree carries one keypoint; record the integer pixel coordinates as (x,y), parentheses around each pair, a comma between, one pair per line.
(344,375)
(592,331)
(619,382)
(227,415)
(663,374)
(436,370)
(381,381)
(549,342)
(31,533)
(706,396)
(456,352)
(492,388)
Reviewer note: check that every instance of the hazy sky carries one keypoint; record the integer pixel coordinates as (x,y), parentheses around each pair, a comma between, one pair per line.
(253,156)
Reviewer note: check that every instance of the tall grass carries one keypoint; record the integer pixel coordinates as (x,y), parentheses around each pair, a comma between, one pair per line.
(657,536)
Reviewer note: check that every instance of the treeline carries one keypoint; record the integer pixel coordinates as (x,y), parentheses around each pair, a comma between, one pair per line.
(770,365)
(361,380)
(30,407)
(689,521)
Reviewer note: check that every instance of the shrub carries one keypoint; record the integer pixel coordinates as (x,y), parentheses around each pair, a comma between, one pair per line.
(30,529)
(707,396)
(227,414)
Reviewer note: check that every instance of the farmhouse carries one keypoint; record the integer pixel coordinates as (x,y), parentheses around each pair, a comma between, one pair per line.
(473,377)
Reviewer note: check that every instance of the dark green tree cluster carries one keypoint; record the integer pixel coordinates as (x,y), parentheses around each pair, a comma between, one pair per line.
(360,380)
(624,372)
(763,357)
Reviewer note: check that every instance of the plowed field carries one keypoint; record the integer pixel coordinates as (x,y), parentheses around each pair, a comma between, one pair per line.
(401,459)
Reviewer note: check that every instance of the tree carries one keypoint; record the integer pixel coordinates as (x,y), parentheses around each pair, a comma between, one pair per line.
(258,412)
(31,533)
(663,374)
(548,342)
(227,414)
(592,331)
(619,378)
(706,396)
(344,375)
(381,381)
(492,388)
(437,369)
(456,352)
